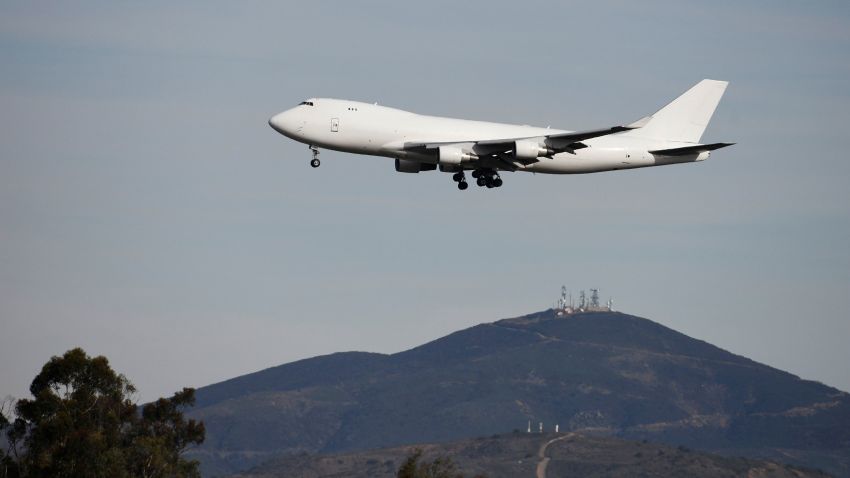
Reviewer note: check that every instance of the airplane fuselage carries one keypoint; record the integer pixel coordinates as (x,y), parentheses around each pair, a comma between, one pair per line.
(424,143)
(370,129)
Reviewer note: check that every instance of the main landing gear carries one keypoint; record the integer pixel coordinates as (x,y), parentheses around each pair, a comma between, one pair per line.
(460,179)
(487,178)
(315,161)
(483,177)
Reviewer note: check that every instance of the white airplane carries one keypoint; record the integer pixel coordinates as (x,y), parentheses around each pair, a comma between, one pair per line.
(424,143)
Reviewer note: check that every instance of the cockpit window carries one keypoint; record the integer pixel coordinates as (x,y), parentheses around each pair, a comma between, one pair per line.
(308,103)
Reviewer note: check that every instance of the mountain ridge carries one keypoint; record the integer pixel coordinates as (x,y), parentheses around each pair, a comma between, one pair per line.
(609,372)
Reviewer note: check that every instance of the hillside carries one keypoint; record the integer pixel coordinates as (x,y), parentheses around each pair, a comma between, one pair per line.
(522,454)
(608,372)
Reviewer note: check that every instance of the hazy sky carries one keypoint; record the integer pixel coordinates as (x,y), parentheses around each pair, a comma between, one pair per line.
(148,212)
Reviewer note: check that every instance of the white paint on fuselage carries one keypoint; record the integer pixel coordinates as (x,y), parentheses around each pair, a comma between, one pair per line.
(370,129)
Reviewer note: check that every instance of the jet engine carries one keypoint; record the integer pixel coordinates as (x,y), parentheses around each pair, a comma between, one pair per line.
(530,150)
(451,155)
(408,166)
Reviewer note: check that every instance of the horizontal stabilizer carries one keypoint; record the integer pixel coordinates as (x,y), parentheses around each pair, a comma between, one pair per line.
(700,148)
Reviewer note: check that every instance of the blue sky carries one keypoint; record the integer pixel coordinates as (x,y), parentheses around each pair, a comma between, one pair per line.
(148,212)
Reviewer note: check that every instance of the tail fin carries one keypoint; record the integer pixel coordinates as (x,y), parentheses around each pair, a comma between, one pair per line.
(685,118)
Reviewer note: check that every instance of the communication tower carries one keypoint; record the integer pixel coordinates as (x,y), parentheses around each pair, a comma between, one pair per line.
(565,306)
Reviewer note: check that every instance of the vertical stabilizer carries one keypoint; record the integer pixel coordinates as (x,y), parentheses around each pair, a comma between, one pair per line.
(686,117)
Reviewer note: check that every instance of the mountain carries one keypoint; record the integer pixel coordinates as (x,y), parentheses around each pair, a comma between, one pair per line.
(604,372)
(523,454)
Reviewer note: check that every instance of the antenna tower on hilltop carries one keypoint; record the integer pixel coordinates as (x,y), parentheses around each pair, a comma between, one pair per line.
(562,302)
(565,306)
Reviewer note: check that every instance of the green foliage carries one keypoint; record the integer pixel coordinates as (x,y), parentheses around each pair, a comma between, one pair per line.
(81,422)
(164,434)
(415,467)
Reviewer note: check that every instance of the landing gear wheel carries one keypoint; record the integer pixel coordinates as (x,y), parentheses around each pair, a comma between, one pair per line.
(497,182)
(315,161)
(481,181)
(462,185)
(457,177)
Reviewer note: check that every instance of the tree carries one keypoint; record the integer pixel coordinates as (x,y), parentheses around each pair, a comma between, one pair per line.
(81,422)
(415,467)
(163,434)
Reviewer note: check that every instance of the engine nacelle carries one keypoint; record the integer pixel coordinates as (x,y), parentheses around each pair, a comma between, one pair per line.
(453,156)
(530,150)
(410,166)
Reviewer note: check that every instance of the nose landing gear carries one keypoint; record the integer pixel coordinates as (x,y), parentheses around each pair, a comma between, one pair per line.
(315,161)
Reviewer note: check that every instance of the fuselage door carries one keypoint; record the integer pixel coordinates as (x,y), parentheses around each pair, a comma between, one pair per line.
(334,125)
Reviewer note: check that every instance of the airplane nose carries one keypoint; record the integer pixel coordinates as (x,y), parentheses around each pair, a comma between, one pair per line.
(289,123)
(279,122)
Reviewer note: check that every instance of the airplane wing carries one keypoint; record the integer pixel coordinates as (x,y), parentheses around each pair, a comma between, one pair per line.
(502,150)
(583,135)
(684,151)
